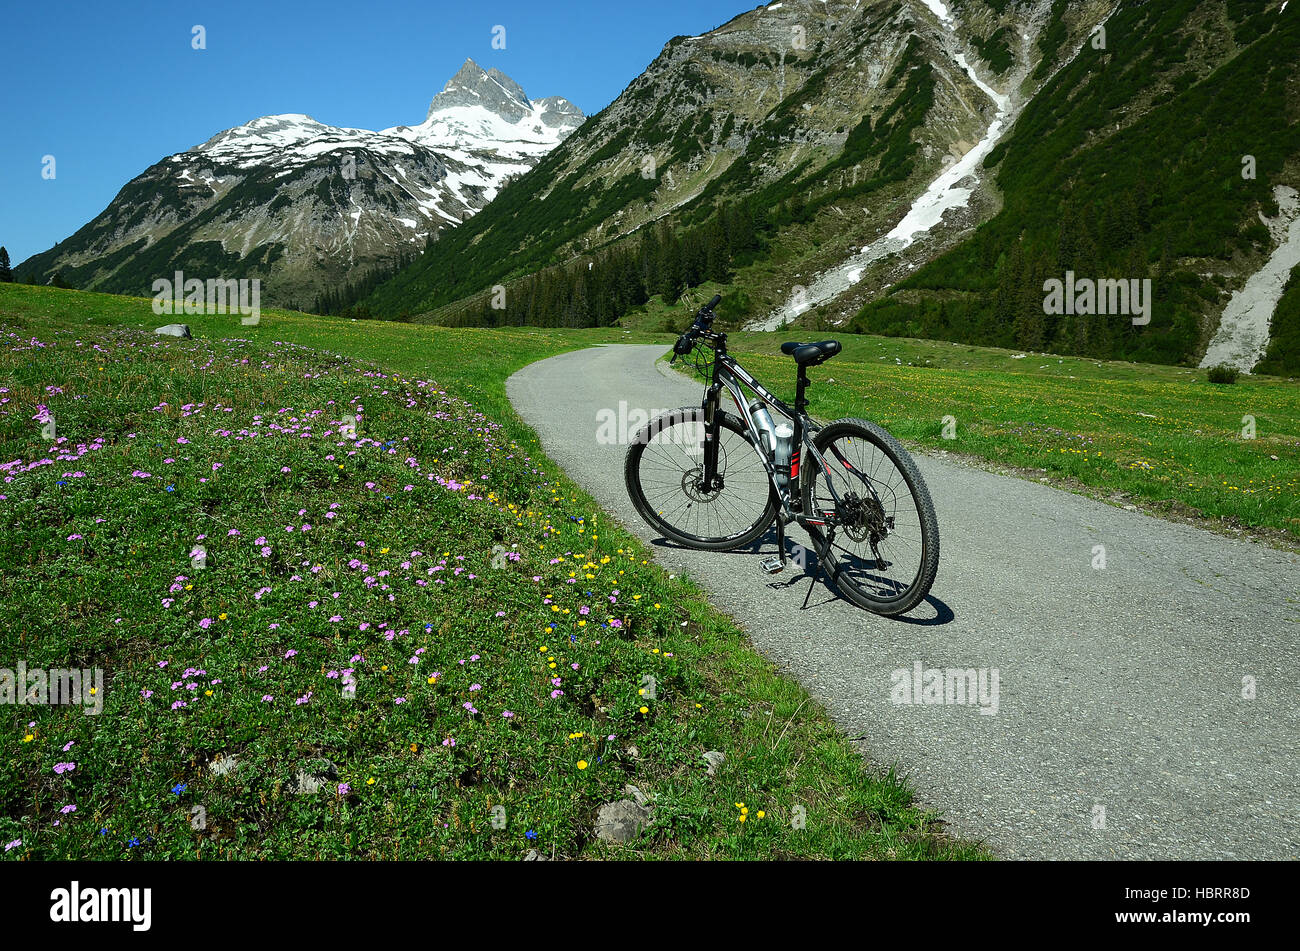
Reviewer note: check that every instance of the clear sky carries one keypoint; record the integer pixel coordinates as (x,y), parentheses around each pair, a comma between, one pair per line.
(112,86)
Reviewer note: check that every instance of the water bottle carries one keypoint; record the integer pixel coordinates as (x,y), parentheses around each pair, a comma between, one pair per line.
(766,430)
(784,447)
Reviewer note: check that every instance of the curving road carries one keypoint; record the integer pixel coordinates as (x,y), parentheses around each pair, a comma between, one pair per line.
(1121,730)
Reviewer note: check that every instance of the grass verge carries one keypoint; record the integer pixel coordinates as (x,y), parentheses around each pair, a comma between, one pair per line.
(1160,436)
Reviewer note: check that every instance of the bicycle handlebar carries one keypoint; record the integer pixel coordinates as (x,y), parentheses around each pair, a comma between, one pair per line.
(686,342)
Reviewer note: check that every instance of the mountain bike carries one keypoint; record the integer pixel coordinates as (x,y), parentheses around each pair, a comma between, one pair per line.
(715,480)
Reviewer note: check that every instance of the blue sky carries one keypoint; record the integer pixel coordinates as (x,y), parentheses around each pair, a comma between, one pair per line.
(110,88)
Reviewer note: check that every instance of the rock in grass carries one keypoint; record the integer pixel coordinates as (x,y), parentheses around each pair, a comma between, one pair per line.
(306,783)
(714,759)
(175,330)
(535,856)
(224,766)
(621,821)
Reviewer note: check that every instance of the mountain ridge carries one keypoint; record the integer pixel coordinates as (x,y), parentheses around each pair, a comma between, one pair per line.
(778,94)
(302,204)
(774,163)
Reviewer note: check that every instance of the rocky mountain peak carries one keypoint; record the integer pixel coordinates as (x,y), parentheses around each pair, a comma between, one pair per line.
(308,206)
(490,89)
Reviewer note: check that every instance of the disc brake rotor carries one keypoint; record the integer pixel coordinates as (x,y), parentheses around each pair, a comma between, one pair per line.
(693,486)
(863,520)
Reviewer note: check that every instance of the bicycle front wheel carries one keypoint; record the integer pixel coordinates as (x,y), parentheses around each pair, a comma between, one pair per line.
(664,472)
(880,537)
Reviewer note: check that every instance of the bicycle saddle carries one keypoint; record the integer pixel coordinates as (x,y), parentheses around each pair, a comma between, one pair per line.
(811,354)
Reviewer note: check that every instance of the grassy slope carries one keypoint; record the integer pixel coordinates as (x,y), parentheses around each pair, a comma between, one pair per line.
(258,620)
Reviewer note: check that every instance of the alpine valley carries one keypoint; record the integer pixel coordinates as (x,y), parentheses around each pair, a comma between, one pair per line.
(921,168)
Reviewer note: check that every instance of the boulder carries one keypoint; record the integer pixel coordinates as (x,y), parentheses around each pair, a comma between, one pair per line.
(225,765)
(621,821)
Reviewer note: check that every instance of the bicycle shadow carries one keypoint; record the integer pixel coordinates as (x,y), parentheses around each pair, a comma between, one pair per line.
(812,575)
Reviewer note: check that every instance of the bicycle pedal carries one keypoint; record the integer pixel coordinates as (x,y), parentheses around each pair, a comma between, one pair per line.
(773,565)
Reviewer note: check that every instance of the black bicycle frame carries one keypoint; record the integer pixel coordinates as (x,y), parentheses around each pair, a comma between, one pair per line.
(730,374)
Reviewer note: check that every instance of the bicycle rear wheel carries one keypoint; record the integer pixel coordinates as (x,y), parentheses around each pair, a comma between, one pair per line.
(881,540)
(664,470)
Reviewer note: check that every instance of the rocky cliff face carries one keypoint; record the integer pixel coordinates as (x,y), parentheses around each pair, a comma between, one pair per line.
(858,103)
(303,205)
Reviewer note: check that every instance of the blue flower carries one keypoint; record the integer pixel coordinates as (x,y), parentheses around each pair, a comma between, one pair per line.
(133,843)
(531,834)
(179,788)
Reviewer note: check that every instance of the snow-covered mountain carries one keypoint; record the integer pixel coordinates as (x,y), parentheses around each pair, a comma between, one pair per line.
(304,205)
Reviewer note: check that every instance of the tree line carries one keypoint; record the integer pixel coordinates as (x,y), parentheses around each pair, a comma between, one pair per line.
(596,290)
(344,299)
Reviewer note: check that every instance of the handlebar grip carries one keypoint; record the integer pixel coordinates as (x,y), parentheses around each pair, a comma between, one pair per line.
(717,299)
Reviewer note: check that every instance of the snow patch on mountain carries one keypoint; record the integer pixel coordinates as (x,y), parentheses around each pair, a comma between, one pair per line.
(944,193)
(939,9)
(481,118)
(1242,336)
(951,189)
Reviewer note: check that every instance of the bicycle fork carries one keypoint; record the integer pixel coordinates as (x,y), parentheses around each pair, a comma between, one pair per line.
(712,426)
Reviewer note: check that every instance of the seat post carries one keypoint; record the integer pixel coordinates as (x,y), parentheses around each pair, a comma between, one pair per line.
(801,382)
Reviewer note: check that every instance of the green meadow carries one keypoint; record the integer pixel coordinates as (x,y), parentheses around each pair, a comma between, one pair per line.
(345,609)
